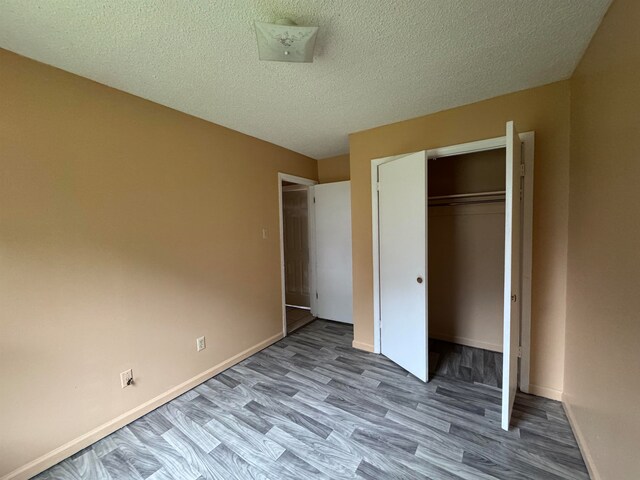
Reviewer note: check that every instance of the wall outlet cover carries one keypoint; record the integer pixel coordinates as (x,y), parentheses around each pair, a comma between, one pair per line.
(200,343)
(126,378)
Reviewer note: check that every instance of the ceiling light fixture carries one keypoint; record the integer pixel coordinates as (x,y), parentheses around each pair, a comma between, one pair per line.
(284,41)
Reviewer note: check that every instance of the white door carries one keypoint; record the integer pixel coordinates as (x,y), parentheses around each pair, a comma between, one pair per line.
(402,227)
(511,338)
(334,289)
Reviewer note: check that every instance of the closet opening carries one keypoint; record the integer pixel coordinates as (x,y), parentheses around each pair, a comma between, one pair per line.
(451,229)
(466,252)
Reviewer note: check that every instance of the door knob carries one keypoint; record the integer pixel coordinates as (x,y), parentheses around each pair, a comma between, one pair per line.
(419,279)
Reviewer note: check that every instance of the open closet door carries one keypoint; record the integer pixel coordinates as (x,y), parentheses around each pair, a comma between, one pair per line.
(402,229)
(511,337)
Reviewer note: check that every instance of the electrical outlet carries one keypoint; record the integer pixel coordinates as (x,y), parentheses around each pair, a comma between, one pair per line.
(126,378)
(200,343)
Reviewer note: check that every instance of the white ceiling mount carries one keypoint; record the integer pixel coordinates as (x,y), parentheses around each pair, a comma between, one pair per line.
(284,41)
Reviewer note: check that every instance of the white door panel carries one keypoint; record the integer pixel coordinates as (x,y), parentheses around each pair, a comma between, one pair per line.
(402,227)
(333,251)
(511,337)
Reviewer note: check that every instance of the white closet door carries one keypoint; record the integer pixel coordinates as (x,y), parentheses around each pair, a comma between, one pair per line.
(333,251)
(402,226)
(511,338)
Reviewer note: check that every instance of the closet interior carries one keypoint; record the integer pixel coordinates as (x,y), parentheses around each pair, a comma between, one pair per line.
(466,243)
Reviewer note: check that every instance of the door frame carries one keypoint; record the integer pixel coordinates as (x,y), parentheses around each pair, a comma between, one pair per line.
(528,143)
(312,251)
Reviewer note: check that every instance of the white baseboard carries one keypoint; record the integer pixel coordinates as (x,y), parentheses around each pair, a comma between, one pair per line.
(55,456)
(586,453)
(550,393)
(467,342)
(362,346)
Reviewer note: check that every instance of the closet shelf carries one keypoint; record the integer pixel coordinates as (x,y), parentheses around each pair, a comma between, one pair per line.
(468,195)
(467,199)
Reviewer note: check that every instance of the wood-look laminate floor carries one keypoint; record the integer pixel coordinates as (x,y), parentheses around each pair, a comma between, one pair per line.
(311,406)
(467,364)
(297,318)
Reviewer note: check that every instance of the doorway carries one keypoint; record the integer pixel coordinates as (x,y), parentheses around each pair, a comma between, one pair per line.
(296,239)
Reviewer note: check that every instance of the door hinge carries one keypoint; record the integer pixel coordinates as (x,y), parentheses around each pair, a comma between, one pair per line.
(316,295)
(522,169)
(314,199)
(378,186)
(514,298)
(519,352)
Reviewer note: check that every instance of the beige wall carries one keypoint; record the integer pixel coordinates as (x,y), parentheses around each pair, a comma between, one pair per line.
(545,110)
(470,173)
(602,375)
(334,169)
(127,230)
(466,274)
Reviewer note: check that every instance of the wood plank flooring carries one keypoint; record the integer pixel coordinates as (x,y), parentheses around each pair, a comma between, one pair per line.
(311,406)
(467,364)
(297,318)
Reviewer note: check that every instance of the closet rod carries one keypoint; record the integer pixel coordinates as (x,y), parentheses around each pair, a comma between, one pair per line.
(468,195)
(471,202)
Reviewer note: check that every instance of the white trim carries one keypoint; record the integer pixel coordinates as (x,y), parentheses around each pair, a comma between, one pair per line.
(294,188)
(528,139)
(367,347)
(494,347)
(582,444)
(309,183)
(546,392)
(285,177)
(470,147)
(301,307)
(49,459)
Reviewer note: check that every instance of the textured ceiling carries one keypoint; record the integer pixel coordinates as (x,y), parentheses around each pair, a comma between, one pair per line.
(376,61)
